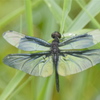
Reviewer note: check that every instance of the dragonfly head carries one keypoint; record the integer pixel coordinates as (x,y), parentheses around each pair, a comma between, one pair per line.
(56,35)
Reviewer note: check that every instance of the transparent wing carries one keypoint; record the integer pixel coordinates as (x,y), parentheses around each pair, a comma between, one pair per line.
(34,64)
(81,41)
(26,43)
(78,61)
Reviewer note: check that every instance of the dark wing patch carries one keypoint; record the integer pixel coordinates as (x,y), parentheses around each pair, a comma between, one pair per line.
(81,41)
(74,62)
(34,64)
(26,43)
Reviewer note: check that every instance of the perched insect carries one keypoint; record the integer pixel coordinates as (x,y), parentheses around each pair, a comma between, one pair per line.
(67,57)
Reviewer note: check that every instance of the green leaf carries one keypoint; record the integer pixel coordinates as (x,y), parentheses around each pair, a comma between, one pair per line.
(91,17)
(12,85)
(66,10)
(13,15)
(57,12)
(29,19)
(82,18)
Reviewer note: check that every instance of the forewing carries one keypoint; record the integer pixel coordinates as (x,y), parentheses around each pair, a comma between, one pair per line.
(78,61)
(26,43)
(34,64)
(81,41)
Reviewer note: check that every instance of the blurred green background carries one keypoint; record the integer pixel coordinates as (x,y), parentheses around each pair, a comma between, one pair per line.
(40,18)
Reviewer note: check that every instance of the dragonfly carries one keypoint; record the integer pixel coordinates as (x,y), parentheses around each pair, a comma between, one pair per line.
(66,57)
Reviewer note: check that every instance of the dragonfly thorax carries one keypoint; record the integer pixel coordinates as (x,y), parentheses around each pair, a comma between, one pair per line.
(54,46)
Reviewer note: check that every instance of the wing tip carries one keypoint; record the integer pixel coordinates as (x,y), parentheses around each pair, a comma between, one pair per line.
(5,33)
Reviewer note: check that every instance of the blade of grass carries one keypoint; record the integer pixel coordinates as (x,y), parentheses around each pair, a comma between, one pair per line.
(15,80)
(82,19)
(46,91)
(30,28)
(12,85)
(83,2)
(92,18)
(57,12)
(49,90)
(78,86)
(66,10)
(11,16)
(19,88)
(29,19)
